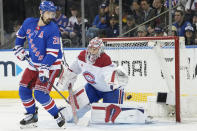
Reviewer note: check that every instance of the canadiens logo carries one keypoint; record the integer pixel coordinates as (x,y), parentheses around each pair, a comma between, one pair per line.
(89,77)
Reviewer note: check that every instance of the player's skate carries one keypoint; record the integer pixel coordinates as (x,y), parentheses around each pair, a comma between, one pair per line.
(30,121)
(61,119)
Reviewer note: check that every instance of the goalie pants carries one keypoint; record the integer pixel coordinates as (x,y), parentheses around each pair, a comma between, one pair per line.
(29,82)
(115,96)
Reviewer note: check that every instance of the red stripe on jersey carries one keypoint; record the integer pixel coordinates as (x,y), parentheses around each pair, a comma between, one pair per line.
(57,63)
(53,52)
(113,76)
(30,103)
(98,108)
(50,105)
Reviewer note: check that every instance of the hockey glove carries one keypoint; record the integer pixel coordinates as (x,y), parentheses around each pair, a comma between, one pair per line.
(44,73)
(20,53)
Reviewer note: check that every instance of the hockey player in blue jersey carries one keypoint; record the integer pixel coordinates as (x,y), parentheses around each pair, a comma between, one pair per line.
(44,52)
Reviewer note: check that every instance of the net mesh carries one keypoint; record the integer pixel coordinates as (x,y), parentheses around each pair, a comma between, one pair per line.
(150,64)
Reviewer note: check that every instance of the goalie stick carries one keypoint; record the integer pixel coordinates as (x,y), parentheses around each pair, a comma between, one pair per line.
(70,91)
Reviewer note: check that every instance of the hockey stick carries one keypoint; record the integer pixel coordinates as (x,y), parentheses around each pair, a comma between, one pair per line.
(70,91)
(28,60)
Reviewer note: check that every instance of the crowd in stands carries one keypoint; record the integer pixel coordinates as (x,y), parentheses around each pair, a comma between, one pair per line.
(140,18)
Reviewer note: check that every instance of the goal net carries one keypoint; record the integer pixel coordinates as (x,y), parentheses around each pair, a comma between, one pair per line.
(162,75)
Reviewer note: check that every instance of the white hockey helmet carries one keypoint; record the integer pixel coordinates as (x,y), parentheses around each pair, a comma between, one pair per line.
(94,50)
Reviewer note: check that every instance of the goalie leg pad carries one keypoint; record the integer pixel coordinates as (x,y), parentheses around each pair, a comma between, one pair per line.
(81,98)
(116,113)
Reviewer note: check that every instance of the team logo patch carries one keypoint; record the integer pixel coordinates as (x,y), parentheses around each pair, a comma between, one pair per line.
(89,77)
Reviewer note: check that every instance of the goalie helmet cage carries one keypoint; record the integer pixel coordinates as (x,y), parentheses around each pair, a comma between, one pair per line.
(138,43)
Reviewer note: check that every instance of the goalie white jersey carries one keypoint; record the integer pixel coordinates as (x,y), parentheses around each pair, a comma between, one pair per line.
(99,74)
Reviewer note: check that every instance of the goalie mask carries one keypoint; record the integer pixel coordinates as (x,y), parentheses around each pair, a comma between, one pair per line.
(94,50)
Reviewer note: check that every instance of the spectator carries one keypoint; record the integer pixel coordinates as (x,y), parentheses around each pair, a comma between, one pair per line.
(100,23)
(101,20)
(195,38)
(136,11)
(141,31)
(116,12)
(72,21)
(9,39)
(151,30)
(174,31)
(190,9)
(159,31)
(102,34)
(73,18)
(78,30)
(174,3)
(113,29)
(180,23)
(189,35)
(62,22)
(163,19)
(148,12)
(194,22)
(111,7)
(130,25)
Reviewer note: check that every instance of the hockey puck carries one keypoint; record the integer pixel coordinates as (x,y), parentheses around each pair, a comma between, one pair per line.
(129,97)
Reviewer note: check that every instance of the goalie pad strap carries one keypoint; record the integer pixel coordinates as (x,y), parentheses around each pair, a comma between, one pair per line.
(75,97)
(116,113)
(80,98)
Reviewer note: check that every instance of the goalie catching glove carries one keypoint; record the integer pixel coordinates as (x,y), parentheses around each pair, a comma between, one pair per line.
(117,78)
(67,77)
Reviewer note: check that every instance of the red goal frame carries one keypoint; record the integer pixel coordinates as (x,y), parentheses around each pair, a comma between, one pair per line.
(177,63)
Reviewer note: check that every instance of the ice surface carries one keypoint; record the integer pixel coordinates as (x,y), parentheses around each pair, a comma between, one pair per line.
(11,112)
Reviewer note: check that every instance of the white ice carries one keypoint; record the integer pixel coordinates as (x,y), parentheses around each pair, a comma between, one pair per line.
(11,112)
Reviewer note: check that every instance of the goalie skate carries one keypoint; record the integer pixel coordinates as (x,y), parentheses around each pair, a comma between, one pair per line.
(30,121)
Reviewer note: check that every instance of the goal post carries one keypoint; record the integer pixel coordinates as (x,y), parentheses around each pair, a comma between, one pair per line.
(144,55)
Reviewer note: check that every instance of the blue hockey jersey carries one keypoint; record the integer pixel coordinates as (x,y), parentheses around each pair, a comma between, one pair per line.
(43,41)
